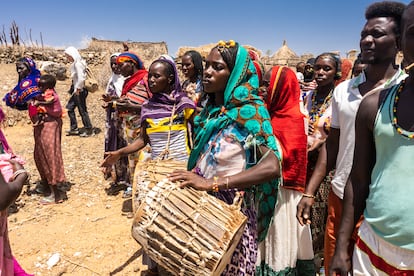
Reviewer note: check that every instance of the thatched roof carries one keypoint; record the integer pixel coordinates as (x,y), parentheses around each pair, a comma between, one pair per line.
(284,52)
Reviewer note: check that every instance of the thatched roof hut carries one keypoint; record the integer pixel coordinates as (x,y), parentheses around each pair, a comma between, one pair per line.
(283,56)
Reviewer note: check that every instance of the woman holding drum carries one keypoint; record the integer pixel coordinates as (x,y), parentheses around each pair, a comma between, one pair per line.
(235,151)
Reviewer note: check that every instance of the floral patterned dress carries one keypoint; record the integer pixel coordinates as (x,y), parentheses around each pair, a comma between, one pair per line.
(229,152)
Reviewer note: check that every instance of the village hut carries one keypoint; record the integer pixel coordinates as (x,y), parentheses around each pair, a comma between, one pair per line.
(284,56)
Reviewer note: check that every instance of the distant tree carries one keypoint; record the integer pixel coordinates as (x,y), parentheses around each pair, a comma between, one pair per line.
(14,34)
(3,39)
(268,53)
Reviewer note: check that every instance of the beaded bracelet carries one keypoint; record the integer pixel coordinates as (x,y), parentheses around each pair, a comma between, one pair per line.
(215,187)
(308,195)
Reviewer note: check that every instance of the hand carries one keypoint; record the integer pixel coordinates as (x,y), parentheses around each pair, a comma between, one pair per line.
(111,158)
(15,164)
(191,179)
(77,91)
(317,143)
(303,210)
(340,264)
(311,129)
(106,98)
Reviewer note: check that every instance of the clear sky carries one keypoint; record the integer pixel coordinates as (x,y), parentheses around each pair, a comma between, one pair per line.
(307,26)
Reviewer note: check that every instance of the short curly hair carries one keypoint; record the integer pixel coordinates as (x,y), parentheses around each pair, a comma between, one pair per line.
(387,9)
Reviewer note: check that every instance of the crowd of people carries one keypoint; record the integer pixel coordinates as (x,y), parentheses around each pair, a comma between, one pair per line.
(321,154)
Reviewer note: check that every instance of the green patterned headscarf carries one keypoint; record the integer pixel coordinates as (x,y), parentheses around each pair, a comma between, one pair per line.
(243,106)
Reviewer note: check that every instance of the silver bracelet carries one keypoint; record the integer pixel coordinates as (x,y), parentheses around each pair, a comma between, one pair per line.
(18,172)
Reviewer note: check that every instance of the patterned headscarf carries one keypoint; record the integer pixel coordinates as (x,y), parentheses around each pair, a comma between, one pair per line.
(242,105)
(26,89)
(140,74)
(129,56)
(161,105)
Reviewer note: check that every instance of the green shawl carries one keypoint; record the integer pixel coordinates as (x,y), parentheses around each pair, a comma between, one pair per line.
(243,106)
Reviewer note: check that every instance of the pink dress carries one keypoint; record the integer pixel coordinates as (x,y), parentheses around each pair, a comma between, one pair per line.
(6,258)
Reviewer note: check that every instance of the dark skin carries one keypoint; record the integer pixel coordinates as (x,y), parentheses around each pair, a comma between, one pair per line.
(115,69)
(22,69)
(376,39)
(379,45)
(215,77)
(11,190)
(127,69)
(188,68)
(325,70)
(43,86)
(159,82)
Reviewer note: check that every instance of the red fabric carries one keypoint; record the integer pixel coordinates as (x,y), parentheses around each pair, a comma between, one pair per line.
(346,67)
(133,80)
(380,263)
(258,70)
(288,123)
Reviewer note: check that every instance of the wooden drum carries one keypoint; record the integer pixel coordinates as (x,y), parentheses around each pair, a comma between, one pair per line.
(188,232)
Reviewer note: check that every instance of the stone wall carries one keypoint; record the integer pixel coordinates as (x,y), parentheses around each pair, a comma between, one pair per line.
(96,55)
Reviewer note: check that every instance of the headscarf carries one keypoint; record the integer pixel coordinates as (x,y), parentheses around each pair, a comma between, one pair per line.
(346,67)
(26,89)
(257,64)
(283,102)
(77,68)
(140,74)
(161,105)
(116,81)
(243,106)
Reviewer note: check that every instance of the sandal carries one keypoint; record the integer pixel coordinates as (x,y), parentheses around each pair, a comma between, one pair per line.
(48,200)
(114,189)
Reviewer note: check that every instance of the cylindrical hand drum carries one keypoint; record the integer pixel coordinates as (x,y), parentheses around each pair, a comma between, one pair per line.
(188,232)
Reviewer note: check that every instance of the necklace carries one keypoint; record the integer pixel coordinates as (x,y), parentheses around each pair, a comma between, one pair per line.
(316,110)
(398,128)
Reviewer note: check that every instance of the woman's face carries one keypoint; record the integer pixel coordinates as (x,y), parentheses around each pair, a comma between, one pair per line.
(188,66)
(114,66)
(126,68)
(69,57)
(324,70)
(22,69)
(158,80)
(216,73)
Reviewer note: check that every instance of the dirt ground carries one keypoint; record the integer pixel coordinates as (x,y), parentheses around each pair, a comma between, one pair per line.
(88,231)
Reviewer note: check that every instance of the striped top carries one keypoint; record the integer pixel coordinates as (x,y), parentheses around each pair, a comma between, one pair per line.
(158,131)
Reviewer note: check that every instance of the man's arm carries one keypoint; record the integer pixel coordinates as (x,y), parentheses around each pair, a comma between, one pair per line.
(357,187)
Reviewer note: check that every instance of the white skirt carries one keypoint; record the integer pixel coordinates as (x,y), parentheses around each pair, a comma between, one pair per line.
(287,241)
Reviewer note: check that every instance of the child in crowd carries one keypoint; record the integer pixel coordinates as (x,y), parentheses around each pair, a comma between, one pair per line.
(47,135)
(46,98)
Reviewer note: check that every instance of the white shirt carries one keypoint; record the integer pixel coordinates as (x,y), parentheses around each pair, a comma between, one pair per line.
(345,102)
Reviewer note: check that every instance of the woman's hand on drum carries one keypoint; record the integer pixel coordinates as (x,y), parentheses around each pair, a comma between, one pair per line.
(111,158)
(187,178)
